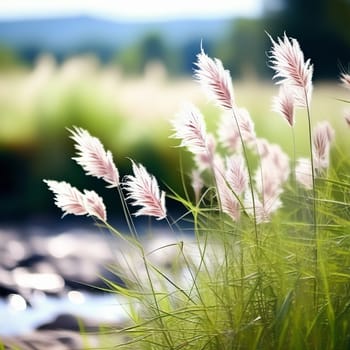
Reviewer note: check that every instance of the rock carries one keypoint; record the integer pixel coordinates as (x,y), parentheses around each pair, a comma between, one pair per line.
(70,322)
(5,290)
(9,288)
(72,261)
(27,281)
(12,251)
(32,260)
(48,340)
(7,285)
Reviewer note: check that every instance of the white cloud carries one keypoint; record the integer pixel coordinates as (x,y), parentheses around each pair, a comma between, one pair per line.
(135,9)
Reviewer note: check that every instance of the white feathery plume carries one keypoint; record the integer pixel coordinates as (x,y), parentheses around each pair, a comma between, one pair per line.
(144,191)
(228,133)
(287,60)
(269,178)
(189,127)
(228,201)
(237,174)
(67,197)
(204,160)
(284,104)
(215,80)
(93,158)
(246,125)
(71,201)
(323,135)
(94,205)
(274,168)
(303,173)
(263,208)
(345,79)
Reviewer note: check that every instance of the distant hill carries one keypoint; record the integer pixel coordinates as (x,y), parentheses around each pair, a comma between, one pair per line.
(63,36)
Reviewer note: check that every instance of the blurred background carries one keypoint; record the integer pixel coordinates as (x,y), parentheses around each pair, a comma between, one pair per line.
(122,70)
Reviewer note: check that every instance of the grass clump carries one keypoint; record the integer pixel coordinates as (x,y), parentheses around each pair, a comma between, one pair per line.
(267,263)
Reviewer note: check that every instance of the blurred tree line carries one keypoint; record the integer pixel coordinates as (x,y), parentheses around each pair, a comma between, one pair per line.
(321,28)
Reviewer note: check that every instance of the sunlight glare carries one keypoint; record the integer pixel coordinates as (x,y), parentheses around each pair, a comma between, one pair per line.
(17,302)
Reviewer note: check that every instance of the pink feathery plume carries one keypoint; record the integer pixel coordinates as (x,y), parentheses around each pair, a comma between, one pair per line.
(93,158)
(274,169)
(95,205)
(269,178)
(274,160)
(228,133)
(144,192)
(345,79)
(323,135)
(287,60)
(215,80)
(284,104)
(264,208)
(67,197)
(204,160)
(189,127)
(72,201)
(246,125)
(303,173)
(237,174)
(262,147)
(268,184)
(228,201)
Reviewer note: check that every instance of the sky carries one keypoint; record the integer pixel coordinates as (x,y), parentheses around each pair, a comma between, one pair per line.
(130,9)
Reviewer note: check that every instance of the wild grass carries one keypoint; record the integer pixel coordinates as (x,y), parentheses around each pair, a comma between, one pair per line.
(245,294)
(266,265)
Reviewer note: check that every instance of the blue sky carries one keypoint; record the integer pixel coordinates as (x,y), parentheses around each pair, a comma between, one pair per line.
(131,9)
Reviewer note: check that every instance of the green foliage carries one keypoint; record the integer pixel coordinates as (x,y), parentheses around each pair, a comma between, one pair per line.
(242,51)
(244,293)
(149,49)
(36,107)
(9,60)
(258,280)
(34,119)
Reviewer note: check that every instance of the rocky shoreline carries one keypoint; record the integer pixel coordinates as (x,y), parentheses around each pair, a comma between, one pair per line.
(38,269)
(64,268)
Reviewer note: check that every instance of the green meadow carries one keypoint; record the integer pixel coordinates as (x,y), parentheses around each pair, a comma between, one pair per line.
(130,114)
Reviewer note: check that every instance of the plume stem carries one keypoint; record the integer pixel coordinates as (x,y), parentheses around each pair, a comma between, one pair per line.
(314,199)
(249,174)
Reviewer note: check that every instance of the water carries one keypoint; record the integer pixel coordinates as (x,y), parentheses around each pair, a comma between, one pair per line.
(54,255)
(17,318)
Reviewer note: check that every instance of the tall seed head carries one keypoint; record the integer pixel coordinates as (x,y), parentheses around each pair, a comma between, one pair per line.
(287,60)
(345,79)
(93,158)
(215,80)
(284,104)
(144,191)
(190,128)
